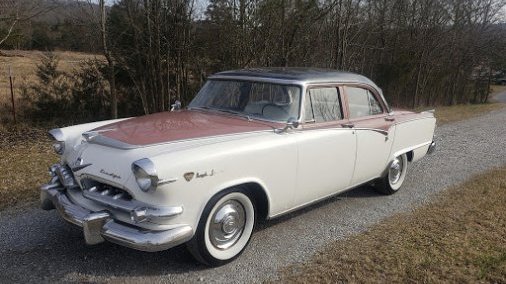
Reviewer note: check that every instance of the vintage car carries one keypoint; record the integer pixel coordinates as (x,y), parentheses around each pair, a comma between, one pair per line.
(253,144)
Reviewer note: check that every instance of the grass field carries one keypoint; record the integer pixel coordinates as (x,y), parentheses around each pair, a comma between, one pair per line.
(26,154)
(23,66)
(460,238)
(449,114)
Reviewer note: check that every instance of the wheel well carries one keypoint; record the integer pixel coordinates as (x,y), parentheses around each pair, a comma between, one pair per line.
(257,193)
(410,156)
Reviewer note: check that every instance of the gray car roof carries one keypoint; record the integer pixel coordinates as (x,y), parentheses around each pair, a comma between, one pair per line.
(307,75)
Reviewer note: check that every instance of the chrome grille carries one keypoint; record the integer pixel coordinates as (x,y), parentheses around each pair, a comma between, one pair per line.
(119,199)
(109,191)
(64,175)
(107,195)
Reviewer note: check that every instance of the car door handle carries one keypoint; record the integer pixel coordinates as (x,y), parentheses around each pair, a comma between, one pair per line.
(389,118)
(348,125)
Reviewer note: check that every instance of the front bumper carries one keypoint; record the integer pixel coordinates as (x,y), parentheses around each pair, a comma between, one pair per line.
(101,226)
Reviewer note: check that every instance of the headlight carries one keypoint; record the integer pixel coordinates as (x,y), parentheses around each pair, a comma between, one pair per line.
(145,174)
(59,147)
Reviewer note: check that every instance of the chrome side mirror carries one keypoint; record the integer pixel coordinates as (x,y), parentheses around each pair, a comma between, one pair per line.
(292,123)
(176,106)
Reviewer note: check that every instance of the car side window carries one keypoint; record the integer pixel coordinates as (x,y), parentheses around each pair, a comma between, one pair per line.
(322,104)
(362,102)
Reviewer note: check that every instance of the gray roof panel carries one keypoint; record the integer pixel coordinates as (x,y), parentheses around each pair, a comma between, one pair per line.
(308,75)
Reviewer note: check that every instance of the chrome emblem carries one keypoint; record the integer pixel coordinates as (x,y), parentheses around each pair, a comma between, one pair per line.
(188,176)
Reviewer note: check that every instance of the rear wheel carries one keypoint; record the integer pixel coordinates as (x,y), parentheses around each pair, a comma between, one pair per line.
(396,172)
(224,229)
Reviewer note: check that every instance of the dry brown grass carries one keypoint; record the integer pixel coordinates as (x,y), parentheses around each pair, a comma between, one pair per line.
(24,65)
(460,238)
(25,154)
(447,114)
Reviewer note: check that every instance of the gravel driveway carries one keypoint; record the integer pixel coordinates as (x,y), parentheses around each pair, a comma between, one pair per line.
(36,245)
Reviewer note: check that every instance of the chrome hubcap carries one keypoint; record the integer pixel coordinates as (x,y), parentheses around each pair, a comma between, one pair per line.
(395,170)
(227,224)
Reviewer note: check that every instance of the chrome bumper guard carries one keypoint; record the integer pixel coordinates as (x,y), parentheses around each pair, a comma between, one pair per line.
(101,226)
(432,147)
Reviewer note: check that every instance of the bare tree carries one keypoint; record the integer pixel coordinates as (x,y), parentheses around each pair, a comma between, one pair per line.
(15,12)
(110,61)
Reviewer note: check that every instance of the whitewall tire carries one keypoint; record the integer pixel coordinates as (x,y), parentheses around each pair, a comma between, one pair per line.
(395,175)
(224,229)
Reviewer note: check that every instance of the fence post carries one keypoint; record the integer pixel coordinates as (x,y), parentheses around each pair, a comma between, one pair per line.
(12,96)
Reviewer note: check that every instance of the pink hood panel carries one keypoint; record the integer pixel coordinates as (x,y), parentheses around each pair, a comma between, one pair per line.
(180,125)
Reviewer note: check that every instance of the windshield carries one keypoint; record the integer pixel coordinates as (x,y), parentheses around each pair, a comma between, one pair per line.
(253,99)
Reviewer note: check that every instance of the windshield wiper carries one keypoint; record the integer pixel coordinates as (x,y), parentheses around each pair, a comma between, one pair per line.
(235,112)
(224,110)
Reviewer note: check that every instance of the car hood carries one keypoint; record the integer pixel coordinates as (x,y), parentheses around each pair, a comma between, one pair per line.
(165,127)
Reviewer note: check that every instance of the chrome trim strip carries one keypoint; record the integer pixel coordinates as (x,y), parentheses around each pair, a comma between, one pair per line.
(384,132)
(258,79)
(80,167)
(288,81)
(405,150)
(105,141)
(167,181)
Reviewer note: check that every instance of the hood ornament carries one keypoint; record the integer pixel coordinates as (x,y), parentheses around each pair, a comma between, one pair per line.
(90,135)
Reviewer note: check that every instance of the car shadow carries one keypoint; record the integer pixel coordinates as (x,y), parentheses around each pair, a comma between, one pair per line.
(364,191)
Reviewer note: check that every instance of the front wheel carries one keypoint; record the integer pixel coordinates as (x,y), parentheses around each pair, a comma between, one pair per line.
(393,179)
(224,229)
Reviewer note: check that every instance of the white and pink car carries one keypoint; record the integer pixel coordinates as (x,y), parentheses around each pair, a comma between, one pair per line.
(254,144)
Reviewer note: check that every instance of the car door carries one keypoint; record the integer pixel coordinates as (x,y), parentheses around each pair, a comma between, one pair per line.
(326,148)
(374,131)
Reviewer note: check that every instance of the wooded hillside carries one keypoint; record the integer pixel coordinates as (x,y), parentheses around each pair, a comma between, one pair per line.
(420,52)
